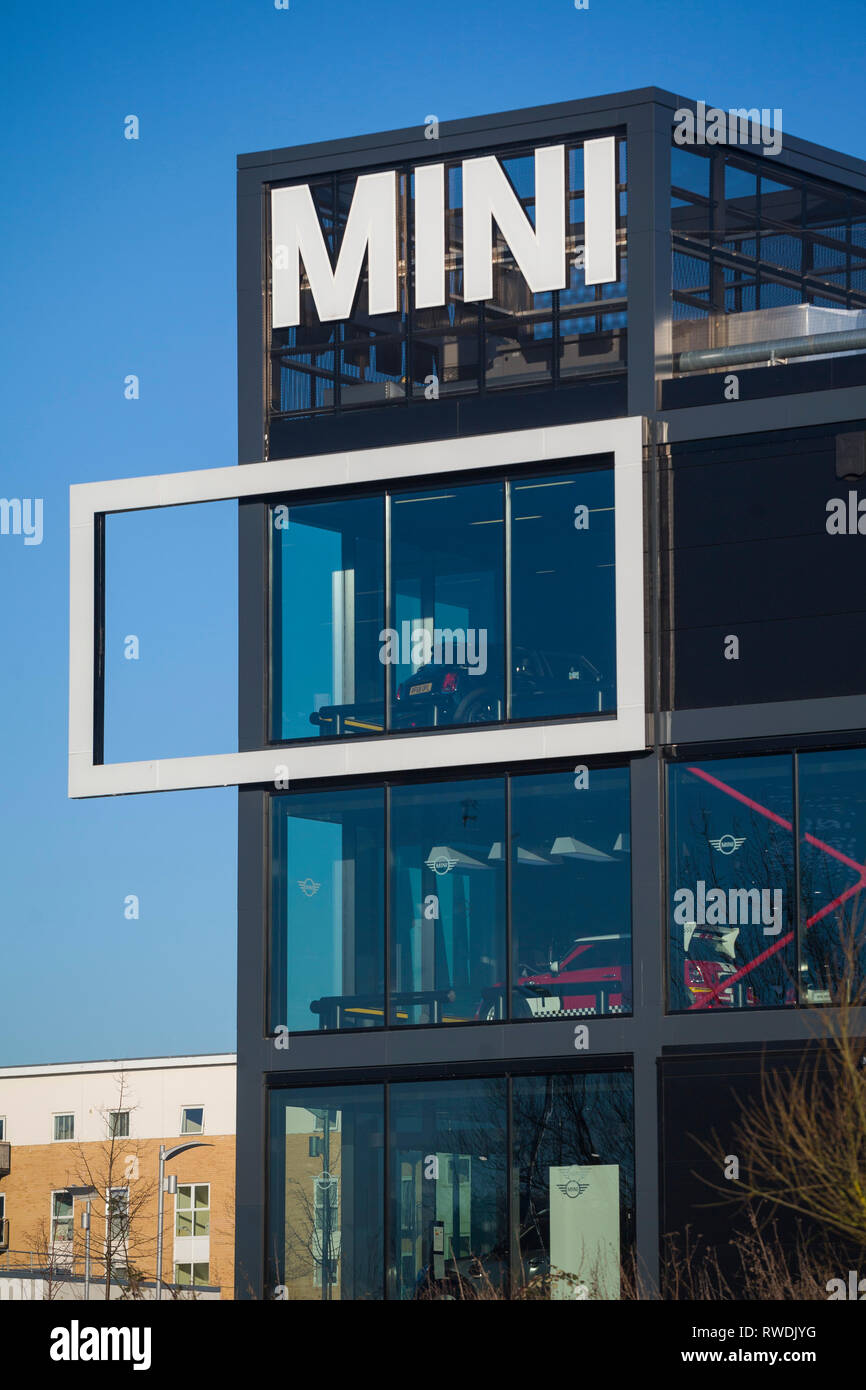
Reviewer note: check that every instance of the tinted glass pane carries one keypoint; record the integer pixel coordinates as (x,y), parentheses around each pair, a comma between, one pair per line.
(448,1205)
(563,595)
(832,875)
(445,654)
(574,1209)
(447,902)
(328,612)
(731,884)
(327,960)
(571,894)
(773,562)
(325,1216)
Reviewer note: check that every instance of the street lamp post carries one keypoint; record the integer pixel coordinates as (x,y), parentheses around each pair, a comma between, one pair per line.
(164,1155)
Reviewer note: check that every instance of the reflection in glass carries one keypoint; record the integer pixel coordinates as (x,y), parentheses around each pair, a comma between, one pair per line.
(327,959)
(574,1207)
(832,876)
(571,894)
(328,561)
(563,595)
(731,884)
(447,1150)
(447,566)
(326,1180)
(447,901)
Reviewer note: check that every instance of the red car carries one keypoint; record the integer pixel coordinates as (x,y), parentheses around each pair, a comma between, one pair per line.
(594,977)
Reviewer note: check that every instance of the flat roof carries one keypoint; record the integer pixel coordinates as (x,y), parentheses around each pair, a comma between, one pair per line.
(203,1059)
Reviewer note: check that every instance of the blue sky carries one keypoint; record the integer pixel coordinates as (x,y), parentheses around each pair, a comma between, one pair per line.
(118,258)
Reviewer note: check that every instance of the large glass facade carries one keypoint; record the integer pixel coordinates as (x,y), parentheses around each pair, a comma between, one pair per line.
(454,901)
(402,1190)
(500,605)
(515,339)
(748,860)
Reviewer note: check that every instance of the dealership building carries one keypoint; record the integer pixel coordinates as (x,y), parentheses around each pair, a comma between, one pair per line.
(552,724)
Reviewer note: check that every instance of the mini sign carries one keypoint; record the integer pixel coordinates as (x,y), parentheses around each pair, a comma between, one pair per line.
(539,248)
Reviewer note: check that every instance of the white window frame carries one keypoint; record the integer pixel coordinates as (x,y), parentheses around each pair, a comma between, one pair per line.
(192,1209)
(60,1192)
(109,1115)
(624,732)
(183,1109)
(62,1115)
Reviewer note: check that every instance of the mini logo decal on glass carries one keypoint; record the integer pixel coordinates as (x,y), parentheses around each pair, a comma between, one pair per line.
(728,844)
(309,887)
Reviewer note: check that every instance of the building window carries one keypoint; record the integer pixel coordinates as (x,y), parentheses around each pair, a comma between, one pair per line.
(447,1200)
(186,1274)
(118,1124)
(2,1128)
(328,948)
(61,1216)
(326,672)
(447,901)
(192,1209)
(745,931)
(571,894)
(749,236)
(832,829)
(478,625)
(732,884)
(192,1119)
(448,920)
(64,1127)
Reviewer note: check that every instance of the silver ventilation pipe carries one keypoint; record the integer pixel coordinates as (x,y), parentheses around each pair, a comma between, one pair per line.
(813,345)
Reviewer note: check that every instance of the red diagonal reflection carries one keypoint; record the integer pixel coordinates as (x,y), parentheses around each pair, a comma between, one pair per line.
(783,941)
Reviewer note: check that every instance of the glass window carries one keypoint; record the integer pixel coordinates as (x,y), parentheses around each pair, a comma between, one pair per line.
(448,901)
(328,561)
(192,1209)
(447,1150)
(571,894)
(327,962)
(2,1127)
(563,595)
(186,1274)
(445,653)
(574,1206)
(118,1124)
(731,884)
(64,1127)
(61,1216)
(326,1192)
(572,1176)
(192,1120)
(832,788)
